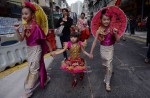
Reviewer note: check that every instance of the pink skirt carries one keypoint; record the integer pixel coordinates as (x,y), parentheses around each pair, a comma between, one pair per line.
(74,66)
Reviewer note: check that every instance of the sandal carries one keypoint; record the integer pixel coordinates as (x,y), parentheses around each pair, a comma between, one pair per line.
(81,76)
(27,95)
(74,83)
(146,60)
(47,81)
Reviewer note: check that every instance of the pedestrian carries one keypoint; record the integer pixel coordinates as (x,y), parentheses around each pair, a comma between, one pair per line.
(37,47)
(147,59)
(132,25)
(0,40)
(67,22)
(74,64)
(127,29)
(82,25)
(128,25)
(107,36)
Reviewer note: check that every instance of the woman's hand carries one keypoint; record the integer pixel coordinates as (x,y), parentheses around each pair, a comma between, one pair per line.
(61,23)
(101,30)
(65,18)
(52,54)
(17,26)
(91,56)
(115,30)
(116,34)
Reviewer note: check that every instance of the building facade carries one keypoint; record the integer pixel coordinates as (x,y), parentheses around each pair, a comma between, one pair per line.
(136,7)
(86,8)
(90,7)
(139,8)
(77,7)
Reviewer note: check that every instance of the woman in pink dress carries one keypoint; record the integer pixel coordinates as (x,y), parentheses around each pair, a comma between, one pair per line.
(107,36)
(82,25)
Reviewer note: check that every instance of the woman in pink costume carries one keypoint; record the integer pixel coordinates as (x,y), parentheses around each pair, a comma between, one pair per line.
(107,36)
(37,47)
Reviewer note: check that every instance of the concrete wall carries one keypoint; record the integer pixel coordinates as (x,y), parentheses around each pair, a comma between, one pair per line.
(15,53)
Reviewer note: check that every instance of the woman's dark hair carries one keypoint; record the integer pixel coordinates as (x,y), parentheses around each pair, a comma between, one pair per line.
(103,13)
(32,11)
(74,34)
(65,10)
(83,14)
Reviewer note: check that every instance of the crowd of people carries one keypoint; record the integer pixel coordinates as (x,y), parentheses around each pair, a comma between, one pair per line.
(136,24)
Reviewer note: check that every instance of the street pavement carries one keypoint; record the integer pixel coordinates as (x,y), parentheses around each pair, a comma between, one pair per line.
(130,80)
(12,86)
(131,77)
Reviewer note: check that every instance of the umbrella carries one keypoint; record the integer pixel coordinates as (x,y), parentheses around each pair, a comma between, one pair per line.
(41,18)
(118,20)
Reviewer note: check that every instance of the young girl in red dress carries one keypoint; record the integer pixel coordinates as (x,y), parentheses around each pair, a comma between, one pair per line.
(74,63)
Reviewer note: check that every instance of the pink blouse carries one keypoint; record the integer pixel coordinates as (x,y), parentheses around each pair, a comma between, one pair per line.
(109,39)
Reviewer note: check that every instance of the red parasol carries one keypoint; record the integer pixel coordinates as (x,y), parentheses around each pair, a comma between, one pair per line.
(118,20)
(118,2)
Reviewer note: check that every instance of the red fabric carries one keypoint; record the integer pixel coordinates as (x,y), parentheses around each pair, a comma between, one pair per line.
(30,5)
(51,39)
(118,2)
(72,29)
(85,34)
(108,13)
(118,20)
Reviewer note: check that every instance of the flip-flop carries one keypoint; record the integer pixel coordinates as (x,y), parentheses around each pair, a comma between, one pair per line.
(25,95)
(74,83)
(47,81)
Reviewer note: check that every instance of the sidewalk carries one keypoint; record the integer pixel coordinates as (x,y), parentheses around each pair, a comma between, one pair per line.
(12,86)
(142,35)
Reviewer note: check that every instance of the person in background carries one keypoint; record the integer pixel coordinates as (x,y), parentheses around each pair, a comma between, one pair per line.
(82,22)
(132,25)
(127,29)
(67,22)
(82,25)
(147,59)
(0,41)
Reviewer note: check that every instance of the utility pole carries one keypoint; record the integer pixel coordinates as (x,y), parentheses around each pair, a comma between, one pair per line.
(142,9)
(51,14)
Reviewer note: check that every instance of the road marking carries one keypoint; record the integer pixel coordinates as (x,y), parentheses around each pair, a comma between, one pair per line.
(13,69)
(141,43)
(141,55)
(145,47)
(138,39)
(119,60)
